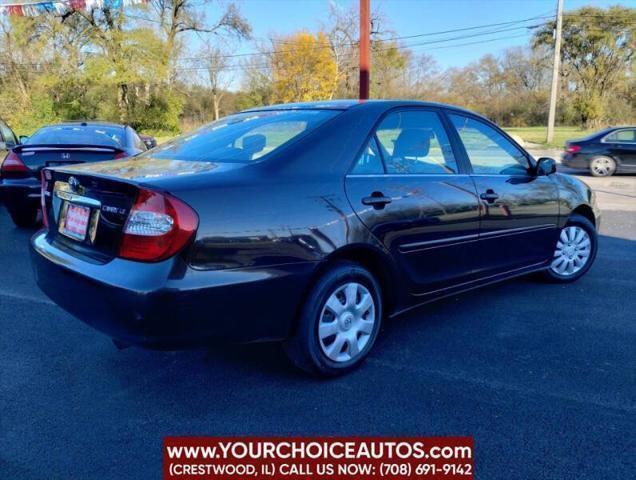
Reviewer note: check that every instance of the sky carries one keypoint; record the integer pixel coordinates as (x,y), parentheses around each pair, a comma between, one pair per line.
(416,17)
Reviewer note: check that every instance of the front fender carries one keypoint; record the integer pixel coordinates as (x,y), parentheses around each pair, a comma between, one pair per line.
(575,194)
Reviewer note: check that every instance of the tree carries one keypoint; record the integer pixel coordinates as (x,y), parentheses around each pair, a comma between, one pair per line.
(389,66)
(303,68)
(427,79)
(256,86)
(342,30)
(176,17)
(597,53)
(216,61)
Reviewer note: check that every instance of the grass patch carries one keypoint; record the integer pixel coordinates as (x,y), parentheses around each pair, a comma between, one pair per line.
(537,134)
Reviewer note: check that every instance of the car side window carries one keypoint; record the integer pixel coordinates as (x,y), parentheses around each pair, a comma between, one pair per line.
(370,161)
(415,142)
(7,134)
(622,136)
(489,152)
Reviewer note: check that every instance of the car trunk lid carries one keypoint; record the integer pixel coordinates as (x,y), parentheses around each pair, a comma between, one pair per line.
(103,204)
(36,157)
(100,197)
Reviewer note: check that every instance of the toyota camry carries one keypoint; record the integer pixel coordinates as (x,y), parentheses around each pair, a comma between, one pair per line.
(309,224)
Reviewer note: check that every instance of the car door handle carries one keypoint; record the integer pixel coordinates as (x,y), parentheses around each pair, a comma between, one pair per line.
(377,200)
(490,196)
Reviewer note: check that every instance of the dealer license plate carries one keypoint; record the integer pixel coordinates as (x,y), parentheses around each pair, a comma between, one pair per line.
(76,222)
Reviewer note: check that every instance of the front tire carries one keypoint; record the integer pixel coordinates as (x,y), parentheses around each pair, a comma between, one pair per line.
(602,166)
(338,323)
(24,217)
(574,252)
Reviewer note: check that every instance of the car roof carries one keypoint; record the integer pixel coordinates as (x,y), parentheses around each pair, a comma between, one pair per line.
(346,104)
(87,123)
(601,133)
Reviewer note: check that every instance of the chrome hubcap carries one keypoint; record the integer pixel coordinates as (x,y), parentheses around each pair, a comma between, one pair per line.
(572,252)
(602,166)
(346,322)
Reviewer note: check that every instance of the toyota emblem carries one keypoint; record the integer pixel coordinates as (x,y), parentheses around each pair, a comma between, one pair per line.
(66,156)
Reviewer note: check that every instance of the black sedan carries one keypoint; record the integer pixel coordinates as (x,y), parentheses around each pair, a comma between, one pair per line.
(62,144)
(306,223)
(603,153)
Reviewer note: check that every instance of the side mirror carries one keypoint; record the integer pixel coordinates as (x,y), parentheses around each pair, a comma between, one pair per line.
(546,166)
(3,146)
(23,138)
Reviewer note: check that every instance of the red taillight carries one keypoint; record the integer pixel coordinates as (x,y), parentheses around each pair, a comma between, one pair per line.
(572,148)
(158,227)
(13,166)
(120,155)
(44,187)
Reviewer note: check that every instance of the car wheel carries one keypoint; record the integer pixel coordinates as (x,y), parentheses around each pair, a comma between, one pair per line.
(574,252)
(602,166)
(24,218)
(338,323)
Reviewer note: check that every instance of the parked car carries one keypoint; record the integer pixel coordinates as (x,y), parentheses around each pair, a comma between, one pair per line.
(604,153)
(149,141)
(61,144)
(8,140)
(306,223)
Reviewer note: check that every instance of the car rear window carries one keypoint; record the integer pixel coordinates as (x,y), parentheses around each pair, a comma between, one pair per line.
(244,137)
(107,136)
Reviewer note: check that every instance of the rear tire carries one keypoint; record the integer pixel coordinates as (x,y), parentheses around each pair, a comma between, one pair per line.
(575,251)
(24,217)
(602,166)
(338,323)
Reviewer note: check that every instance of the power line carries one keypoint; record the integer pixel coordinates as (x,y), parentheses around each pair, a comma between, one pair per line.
(267,65)
(397,38)
(429,42)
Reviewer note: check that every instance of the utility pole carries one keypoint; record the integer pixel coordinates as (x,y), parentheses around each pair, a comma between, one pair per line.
(555,70)
(365,47)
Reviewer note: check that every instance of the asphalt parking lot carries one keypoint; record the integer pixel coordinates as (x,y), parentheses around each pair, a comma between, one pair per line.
(542,376)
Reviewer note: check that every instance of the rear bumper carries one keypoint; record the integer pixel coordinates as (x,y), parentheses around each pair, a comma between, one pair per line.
(168,304)
(20,193)
(575,161)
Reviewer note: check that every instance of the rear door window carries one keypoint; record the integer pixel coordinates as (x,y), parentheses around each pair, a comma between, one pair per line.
(415,142)
(370,161)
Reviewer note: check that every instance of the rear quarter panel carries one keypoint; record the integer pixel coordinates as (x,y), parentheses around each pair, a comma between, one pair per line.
(271,222)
